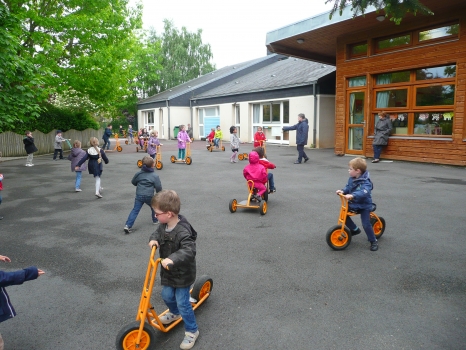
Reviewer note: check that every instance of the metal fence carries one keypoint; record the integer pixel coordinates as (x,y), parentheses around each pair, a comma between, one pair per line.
(11,144)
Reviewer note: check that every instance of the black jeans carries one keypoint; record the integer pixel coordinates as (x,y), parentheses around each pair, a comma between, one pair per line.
(301,153)
(56,152)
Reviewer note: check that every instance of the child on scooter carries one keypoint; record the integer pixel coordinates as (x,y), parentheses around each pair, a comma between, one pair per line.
(218,136)
(183,138)
(259,137)
(175,237)
(255,172)
(268,165)
(153,143)
(358,193)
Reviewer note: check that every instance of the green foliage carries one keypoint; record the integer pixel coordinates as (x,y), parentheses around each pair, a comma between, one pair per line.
(394,9)
(52,118)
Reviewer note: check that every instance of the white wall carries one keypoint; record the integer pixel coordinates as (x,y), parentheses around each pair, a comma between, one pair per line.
(303,104)
(325,121)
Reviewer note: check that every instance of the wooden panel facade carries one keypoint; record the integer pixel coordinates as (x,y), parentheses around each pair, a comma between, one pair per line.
(441,149)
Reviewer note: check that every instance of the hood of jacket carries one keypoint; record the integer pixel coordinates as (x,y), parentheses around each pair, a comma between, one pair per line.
(253,157)
(93,152)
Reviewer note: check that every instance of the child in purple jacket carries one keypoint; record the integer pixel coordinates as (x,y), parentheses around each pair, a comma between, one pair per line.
(75,156)
(182,137)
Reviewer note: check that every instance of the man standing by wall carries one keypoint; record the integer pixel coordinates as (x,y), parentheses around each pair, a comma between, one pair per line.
(302,130)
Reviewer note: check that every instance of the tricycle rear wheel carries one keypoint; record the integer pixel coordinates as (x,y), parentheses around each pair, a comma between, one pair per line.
(126,337)
(338,240)
(378,227)
(202,286)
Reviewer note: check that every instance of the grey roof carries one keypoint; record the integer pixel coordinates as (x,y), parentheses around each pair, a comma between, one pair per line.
(201,81)
(286,73)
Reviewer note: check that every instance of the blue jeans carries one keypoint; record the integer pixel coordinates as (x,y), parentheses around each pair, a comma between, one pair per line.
(138,203)
(301,153)
(181,153)
(377,151)
(271,182)
(106,143)
(78,179)
(177,300)
(216,141)
(366,224)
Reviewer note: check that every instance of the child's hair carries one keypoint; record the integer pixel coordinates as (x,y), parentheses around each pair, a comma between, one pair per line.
(260,151)
(166,200)
(218,126)
(232,129)
(109,125)
(358,163)
(259,128)
(27,132)
(153,132)
(148,161)
(94,143)
(213,129)
(77,144)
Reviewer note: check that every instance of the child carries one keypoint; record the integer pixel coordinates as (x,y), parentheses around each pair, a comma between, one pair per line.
(10,279)
(234,142)
(182,137)
(95,156)
(121,130)
(256,172)
(176,239)
(75,156)
(58,140)
(268,165)
(218,136)
(106,136)
(30,147)
(211,136)
(153,143)
(143,135)
(145,181)
(1,189)
(259,137)
(358,193)
(130,134)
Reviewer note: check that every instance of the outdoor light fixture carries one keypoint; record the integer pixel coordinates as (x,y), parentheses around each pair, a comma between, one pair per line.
(380,18)
(300,41)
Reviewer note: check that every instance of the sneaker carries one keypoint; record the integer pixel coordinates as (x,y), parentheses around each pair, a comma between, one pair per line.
(258,198)
(306,159)
(101,189)
(78,190)
(31,164)
(355,232)
(127,229)
(297,162)
(374,246)
(28,164)
(189,340)
(169,318)
(98,195)
(155,222)
(273,190)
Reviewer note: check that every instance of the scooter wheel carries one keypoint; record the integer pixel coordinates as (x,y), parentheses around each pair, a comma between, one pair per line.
(173,159)
(263,208)
(119,148)
(158,165)
(126,142)
(378,226)
(126,337)
(202,287)
(338,240)
(240,156)
(223,148)
(211,148)
(189,161)
(233,205)
(139,163)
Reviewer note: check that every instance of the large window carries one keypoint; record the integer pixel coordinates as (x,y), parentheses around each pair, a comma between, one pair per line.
(419,102)
(271,116)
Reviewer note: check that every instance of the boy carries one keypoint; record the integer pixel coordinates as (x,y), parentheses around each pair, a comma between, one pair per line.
(218,136)
(58,140)
(30,147)
(146,181)
(106,136)
(267,165)
(358,193)
(9,279)
(175,238)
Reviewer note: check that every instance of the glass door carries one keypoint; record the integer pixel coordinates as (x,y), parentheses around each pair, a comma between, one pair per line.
(355,123)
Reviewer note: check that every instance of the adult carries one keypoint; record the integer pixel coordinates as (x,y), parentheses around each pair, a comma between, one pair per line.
(189,130)
(383,128)
(106,136)
(302,130)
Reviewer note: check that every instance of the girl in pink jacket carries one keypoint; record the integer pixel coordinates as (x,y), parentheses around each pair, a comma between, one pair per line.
(182,137)
(256,172)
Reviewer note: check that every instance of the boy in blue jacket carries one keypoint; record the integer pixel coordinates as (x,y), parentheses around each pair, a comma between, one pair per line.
(358,193)
(146,181)
(9,279)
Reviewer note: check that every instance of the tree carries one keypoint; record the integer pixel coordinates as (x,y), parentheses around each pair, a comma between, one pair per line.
(394,9)
(87,44)
(184,56)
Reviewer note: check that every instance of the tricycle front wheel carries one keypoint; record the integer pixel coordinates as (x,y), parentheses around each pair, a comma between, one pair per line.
(126,337)
(338,240)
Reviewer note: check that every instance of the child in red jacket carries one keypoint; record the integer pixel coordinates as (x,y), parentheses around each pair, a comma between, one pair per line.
(259,137)
(268,165)
(256,172)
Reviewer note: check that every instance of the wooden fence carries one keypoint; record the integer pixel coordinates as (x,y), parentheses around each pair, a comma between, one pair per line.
(11,144)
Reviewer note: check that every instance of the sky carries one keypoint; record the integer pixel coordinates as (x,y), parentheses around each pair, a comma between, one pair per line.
(235,30)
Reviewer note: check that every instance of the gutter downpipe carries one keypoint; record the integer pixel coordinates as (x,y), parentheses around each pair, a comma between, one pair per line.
(314,129)
(191,111)
(168,116)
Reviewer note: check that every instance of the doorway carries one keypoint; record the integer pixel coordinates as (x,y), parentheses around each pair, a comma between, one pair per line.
(355,123)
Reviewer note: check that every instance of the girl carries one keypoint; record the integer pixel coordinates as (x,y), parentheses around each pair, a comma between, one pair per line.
(234,142)
(182,137)
(75,156)
(255,172)
(259,137)
(95,156)
(144,134)
(153,143)
(130,134)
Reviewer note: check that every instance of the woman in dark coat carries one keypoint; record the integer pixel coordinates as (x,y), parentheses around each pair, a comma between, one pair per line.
(383,128)
(95,166)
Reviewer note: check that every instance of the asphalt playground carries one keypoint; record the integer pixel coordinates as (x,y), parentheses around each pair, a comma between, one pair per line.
(276,282)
